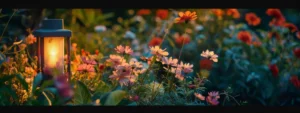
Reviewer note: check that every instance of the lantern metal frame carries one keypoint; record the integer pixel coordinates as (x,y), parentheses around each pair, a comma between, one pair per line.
(52,28)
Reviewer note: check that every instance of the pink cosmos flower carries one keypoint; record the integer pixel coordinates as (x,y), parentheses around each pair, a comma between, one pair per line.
(135,64)
(178,73)
(213,97)
(158,51)
(86,68)
(123,74)
(210,54)
(88,61)
(30,39)
(127,50)
(120,49)
(169,61)
(116,60)
(186,68)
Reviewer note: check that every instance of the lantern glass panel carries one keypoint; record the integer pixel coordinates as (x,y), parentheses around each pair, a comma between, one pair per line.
(54,53)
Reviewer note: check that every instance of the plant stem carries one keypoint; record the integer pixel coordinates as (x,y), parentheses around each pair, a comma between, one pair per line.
(14,52)
(7,24)
(234,100)
(49,101)
(182,46)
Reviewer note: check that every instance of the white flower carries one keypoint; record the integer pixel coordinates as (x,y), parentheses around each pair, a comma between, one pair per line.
(130,35)
(138,18)
(199,28)
(210,54)
(123,74)
(100,28)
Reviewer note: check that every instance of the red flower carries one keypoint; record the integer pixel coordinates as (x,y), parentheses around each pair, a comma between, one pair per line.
(182,40)
(245,37)
(295,81)
(206,64)
(291,27)
(276,22)
(252,19)
(101,67)
(276,13)
(185,17)
(278,18)
(218,12)
(297,52)
(155,41)
(162,13)
(83,52)
(233,12)
(274,69)
(142,12)
(97,52)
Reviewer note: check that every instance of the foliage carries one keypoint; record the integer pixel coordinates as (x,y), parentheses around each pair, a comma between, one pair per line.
(200,57)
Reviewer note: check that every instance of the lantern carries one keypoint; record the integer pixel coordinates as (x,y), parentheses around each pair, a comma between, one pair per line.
(51,39)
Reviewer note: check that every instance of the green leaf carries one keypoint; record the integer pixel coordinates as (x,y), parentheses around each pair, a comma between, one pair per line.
(132,104)
(115,97)
(6,78)
(103,87)
(36,81)
(2,15)
(171,42)
(11,93)
(82,94)
(2,58)
(46,84)
(52,90)
(22,81)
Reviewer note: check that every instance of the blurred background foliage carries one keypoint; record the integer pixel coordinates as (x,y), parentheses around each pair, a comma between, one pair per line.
(242,70)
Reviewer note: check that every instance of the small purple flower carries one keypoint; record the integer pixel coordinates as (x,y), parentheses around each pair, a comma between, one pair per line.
(64,88)
(213,97)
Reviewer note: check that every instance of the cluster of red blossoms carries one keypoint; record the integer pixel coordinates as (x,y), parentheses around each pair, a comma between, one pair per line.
(160,13)
(278,20)
(294,79)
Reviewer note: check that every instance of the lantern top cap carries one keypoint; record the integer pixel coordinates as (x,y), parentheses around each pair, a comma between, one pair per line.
(52,24)
(52,28)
